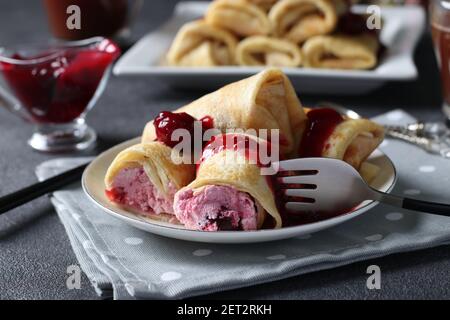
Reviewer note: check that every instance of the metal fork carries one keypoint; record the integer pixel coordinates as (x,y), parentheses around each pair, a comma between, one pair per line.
(329,185)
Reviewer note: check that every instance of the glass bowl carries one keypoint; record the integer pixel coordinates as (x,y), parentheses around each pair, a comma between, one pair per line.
(54,86)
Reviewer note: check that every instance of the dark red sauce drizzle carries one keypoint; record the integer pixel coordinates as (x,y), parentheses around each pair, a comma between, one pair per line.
(355,24)
(114,195)
(321,124)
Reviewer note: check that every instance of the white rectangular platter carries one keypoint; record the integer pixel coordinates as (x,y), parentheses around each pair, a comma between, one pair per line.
(402,29)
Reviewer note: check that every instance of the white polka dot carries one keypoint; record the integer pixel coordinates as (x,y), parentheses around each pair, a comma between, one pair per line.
(305,237)
(394,216)
(384,144)
(88,244)
(395,115)
(427,169)
(170,276)
(77,217)
(374,237)
(202,252)
(277,257)
(133,241)
(130,289)
(412,192)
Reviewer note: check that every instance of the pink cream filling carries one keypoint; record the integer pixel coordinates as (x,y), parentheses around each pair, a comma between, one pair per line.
(216,208)
(132,188)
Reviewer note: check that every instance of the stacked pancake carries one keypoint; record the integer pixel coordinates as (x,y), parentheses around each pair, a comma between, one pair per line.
(226,189)
(281,33)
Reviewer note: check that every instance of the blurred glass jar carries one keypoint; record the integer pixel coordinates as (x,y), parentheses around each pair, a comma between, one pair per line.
(107,18)
(440,26)
(54,86)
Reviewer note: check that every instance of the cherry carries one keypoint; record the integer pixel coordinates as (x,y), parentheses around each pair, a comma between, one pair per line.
(167,122)
(207,123)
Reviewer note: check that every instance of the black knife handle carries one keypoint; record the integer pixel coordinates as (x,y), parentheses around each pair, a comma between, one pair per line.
(40,189)
(425,206)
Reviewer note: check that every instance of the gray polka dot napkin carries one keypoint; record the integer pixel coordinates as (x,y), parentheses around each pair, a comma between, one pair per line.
(130,264)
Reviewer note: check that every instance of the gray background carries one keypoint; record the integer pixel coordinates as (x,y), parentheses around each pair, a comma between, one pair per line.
(35,251)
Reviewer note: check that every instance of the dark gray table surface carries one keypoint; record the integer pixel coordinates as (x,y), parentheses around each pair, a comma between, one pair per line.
(35,251)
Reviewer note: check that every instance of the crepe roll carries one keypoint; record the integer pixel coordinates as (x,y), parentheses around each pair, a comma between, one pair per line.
(144,179)
(229,192)
(266,5)
(264,101)
(299,20)
(330,135)
(267,51)
(240,17)
(199,44)
(341,52)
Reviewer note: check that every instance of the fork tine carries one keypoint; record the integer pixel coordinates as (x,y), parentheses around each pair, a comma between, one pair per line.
(299,206)
(305,193)
(299,180)
(304,164)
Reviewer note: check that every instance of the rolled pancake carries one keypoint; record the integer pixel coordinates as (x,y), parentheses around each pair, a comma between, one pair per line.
(240,17)
(299,20)
(144,178)
(199,44)
(266,5)
(229,190)
(341,52)
(350,140)
(267,51)
(264,101)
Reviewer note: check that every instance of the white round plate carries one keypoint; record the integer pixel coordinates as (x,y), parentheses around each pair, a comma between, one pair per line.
(94,188)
